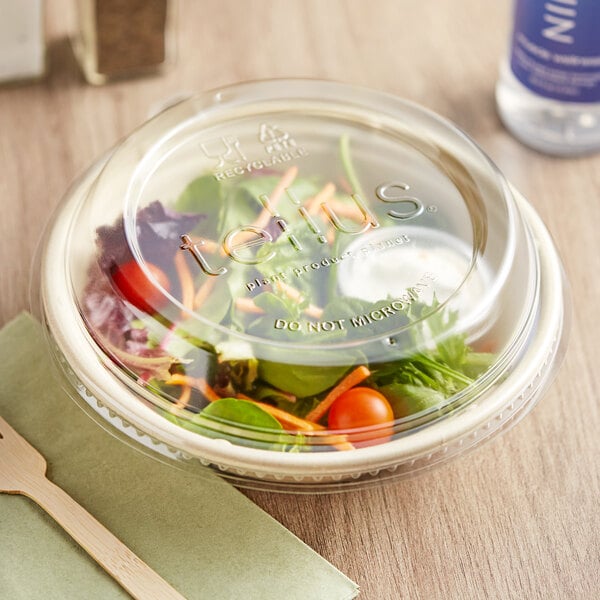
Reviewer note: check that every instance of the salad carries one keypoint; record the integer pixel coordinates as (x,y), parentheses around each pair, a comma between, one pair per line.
(228,308)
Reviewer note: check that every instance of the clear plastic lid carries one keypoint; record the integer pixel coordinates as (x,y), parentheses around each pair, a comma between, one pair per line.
(299,267)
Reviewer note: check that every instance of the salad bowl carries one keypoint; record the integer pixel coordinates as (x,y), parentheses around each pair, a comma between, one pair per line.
(304,285)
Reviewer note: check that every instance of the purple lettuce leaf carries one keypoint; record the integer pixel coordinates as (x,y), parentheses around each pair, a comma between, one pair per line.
(110,319)
(158,231)
(113,325)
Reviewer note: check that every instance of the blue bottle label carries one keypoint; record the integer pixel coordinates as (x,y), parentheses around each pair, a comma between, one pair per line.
(556,48)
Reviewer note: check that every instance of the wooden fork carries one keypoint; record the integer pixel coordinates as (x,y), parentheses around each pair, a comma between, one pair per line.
(23,471)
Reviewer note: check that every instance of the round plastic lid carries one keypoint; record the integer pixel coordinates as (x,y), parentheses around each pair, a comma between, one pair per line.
(295,268)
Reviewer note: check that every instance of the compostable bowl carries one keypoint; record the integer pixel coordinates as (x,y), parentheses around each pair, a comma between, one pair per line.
(306,285)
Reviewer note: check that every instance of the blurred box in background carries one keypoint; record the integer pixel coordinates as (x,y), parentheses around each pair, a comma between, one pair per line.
(22,43)
(124,38)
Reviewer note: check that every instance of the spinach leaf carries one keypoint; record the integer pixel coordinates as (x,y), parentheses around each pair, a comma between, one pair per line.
(239,208)
(348,308)
(301,380)
(203,195)
(238,421)
(345,307)
(277,306)
(242,200)
(302,188)
(218,303)
(231,411)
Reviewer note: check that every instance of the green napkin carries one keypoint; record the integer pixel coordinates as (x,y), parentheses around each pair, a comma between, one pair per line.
(201,534)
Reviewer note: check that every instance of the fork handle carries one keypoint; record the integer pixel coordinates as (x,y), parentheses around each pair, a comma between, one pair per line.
(142,582)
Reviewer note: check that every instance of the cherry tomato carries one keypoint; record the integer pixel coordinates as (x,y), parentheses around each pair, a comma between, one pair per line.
(362,407)
(137,288)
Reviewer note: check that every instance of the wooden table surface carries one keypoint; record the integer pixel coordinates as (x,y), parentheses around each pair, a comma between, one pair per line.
(520,517)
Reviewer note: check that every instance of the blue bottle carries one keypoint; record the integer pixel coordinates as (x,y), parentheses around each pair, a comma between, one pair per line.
(548,93)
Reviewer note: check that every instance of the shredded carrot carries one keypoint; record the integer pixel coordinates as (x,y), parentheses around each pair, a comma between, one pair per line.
(260,222)
(209,246)
(284,417)
(330,236)
(342,444)
(286,180)
(290,291)
(204,292)
(345,185)
(186,281)
(298,424)
(179,379)
(345,210)
(197,383)
(247,305)
(311,310)
(352,379)
(265,214)
(314,204)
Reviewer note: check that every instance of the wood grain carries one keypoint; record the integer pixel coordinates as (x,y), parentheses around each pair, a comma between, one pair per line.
(519,518)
